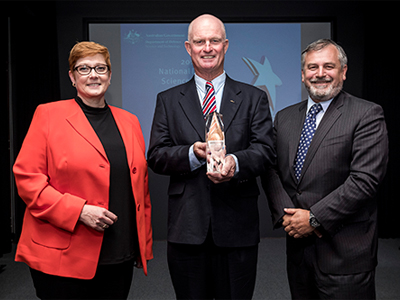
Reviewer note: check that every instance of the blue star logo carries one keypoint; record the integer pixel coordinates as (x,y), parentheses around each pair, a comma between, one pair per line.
(264,78)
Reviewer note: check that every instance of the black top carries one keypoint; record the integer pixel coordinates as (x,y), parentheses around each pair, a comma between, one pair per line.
(120,241)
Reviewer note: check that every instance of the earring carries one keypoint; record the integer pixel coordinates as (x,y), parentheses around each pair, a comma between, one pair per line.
(73,84)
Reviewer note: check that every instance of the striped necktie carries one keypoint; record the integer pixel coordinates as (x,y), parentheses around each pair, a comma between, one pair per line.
(305,139)
(209,104)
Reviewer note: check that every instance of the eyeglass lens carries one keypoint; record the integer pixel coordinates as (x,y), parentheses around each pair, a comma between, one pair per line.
(86,70)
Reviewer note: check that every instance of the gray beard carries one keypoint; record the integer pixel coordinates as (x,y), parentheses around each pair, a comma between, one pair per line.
(324,95)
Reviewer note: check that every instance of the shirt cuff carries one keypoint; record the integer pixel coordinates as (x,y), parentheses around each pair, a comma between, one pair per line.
(194,162)
(237,163)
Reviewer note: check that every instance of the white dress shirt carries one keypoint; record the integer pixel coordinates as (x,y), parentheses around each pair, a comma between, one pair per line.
(324,104)
(219,84)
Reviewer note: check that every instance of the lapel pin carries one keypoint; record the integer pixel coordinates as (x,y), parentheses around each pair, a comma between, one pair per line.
(232,101)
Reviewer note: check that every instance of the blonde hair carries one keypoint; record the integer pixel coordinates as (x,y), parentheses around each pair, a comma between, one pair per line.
(83,49)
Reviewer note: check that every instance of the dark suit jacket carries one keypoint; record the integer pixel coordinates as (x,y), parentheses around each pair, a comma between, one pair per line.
(194,201)
(343,168)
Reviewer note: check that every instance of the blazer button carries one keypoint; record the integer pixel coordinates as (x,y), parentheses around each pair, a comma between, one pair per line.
(299,192)
(134,170)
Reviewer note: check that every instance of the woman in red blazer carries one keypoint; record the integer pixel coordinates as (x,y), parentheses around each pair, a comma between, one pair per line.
(82,173)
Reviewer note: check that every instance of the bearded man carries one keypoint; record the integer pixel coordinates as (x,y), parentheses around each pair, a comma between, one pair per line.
(332,153)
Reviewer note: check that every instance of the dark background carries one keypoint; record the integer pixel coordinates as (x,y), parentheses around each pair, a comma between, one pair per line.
(38,36)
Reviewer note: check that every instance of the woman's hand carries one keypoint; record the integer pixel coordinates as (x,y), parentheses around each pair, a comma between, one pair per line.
(138,262)
(97,217)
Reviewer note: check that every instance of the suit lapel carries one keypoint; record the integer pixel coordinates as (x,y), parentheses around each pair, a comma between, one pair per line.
(82,126)
(330,117)
(230,103)
(190,105)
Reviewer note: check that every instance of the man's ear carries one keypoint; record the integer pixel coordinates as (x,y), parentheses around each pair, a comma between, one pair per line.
(188,48)
(226,46)
(344,72)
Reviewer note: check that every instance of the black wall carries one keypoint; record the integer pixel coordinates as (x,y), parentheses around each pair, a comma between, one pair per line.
(43,32)
(30,66)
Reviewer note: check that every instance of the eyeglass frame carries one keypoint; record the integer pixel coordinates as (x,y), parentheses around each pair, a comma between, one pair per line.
(92,68)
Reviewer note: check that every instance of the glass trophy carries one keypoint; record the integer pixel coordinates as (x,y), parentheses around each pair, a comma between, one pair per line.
(215,139)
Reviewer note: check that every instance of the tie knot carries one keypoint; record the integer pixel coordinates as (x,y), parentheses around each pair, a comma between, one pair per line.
(208,86)
(315,109)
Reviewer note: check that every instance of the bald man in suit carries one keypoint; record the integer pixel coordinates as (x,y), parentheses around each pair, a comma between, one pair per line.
(213,227)
(326,204)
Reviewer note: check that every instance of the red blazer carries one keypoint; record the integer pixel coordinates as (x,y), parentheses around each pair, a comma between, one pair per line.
(61,167)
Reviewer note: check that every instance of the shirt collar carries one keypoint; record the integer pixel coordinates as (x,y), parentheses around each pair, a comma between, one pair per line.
(217,82)
(324,104)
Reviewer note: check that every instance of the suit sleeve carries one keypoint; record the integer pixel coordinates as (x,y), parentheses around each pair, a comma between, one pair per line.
(146,194)
(147,217)
(164,155)
(260,153)
(277,197)
(32,178)
(367,169)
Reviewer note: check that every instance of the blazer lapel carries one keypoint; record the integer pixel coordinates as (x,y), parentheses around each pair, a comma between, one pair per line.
(230,102)
(190,105)
(330,117)
(82,126)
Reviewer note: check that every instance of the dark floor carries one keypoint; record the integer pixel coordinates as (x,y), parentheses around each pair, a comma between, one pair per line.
(15,281)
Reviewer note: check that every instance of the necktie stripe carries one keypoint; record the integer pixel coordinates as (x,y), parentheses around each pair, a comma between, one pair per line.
(209,104)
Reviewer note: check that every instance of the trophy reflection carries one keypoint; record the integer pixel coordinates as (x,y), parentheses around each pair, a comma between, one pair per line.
(215,140)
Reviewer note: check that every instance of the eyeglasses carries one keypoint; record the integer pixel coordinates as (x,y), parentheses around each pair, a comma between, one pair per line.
(86,70)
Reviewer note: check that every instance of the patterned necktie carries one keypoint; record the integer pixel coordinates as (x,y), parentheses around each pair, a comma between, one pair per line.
(209,104)
(305,139)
